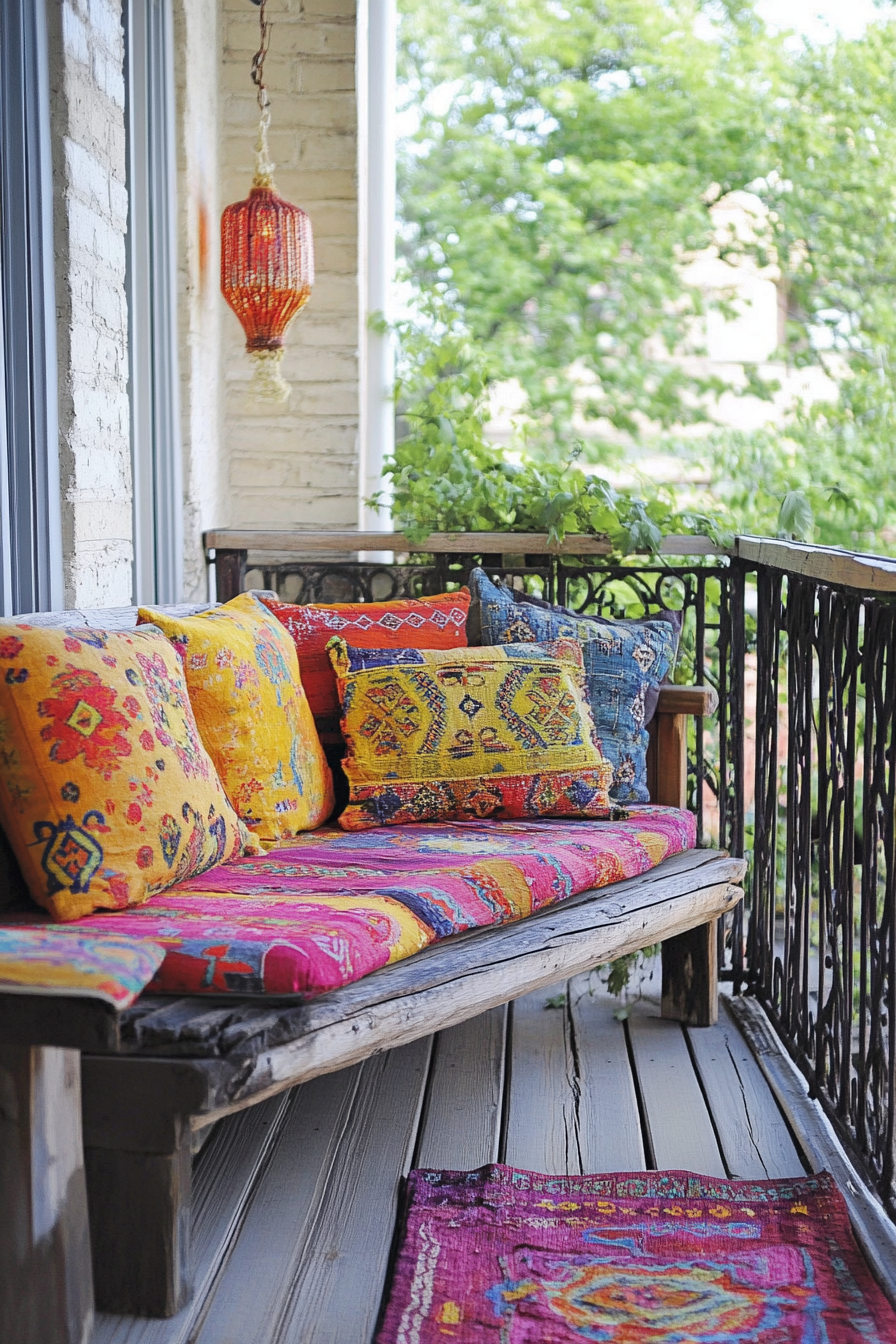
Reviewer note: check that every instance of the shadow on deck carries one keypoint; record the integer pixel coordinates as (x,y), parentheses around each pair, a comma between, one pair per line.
(295,1199)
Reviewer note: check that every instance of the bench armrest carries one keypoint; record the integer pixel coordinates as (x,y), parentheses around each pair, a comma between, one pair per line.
(698,701)
(667,755)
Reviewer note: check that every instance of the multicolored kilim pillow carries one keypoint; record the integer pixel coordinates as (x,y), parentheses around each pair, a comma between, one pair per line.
(413,623)
(106,793)
(453,734)
(243,677)
(624,663)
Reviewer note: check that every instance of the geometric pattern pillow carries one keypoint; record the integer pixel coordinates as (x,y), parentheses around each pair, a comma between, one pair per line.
(107,794)
(253,715)
(624,662)
(438,622)
(457,734)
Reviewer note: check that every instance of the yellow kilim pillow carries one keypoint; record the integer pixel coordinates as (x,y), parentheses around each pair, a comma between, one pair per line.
(455,734)
(107,794)
(243,677)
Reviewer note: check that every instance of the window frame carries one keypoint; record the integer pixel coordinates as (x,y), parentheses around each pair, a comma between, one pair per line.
(31,576)
(156,452)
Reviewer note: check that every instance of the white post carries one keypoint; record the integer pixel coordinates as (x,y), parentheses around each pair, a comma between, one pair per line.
(377,409)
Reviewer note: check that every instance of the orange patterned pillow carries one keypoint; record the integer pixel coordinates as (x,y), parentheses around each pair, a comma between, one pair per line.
(438,622)
(107,794)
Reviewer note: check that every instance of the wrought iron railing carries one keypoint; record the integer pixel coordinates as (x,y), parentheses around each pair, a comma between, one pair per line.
(798,771)
(821,948)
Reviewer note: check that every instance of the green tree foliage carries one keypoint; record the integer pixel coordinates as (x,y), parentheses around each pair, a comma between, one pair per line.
(555,197)
(564,161)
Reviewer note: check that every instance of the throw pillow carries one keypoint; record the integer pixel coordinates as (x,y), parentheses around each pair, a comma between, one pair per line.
(438,622)
(243,678)
(625,661)
(107,794)
(451,735)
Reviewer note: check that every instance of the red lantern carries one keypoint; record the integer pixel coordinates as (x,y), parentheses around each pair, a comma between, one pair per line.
(267,265)
(267,255)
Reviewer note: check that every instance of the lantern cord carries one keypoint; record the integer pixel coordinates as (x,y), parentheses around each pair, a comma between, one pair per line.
(267,383)
(264,169)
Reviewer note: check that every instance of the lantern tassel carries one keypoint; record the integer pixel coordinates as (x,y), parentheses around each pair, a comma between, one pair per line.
(267,383)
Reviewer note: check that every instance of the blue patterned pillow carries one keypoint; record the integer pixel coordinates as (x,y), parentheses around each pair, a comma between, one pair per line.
(624,663)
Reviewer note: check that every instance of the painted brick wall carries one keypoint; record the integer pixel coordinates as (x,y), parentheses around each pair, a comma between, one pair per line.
(86,43)
(297,466)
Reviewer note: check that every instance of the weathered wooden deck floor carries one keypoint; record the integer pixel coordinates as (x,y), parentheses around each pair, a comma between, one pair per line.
(295,1199)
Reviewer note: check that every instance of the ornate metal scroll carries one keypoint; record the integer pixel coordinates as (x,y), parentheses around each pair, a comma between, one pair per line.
(821,950)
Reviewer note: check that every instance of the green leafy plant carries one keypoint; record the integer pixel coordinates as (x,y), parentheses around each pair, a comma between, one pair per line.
(446,476)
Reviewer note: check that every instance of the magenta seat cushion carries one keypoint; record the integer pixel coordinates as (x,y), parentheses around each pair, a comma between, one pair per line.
(326,908)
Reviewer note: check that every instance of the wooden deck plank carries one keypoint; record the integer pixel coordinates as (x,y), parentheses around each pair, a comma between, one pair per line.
(461,1126)
(345,1252)
(679,1128)
(541,1131)
(610,1137)
(752,1132)
(230,1165)
(252,1292)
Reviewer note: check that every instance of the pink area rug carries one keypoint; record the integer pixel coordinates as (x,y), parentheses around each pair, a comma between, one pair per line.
(630,1258)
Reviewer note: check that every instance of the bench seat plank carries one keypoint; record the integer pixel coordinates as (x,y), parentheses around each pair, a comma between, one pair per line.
(241,1029)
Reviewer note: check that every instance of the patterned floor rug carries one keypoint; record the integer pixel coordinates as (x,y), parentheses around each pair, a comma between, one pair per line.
(510,1257)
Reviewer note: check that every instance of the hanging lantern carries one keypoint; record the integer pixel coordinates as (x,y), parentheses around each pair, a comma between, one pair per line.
(267,254)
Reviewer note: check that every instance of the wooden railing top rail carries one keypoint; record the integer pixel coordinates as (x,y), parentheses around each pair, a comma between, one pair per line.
(827,564)
(444,543)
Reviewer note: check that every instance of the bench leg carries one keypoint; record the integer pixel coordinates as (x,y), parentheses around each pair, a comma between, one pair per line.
(46,1286)
(140,1228)
(690,977)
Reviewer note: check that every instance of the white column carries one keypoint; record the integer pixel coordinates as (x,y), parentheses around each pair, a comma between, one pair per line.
(378,256)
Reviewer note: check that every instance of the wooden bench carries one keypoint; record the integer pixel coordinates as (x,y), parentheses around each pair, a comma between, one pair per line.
(150,1080)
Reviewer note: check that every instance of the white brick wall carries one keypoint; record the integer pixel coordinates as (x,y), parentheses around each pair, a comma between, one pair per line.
(298,466)
(243,465)
(90,221)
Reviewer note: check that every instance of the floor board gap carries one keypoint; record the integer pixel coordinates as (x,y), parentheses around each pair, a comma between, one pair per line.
(508,1079)
(649,1159)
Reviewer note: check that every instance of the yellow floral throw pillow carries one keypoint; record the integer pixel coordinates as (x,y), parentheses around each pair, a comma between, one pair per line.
(243,677)
(457,734)
(107,794)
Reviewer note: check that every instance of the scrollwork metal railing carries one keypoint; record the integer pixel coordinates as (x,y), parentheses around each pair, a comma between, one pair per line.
(821,951)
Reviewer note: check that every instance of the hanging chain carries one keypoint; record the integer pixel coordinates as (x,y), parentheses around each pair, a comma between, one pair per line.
(264,169)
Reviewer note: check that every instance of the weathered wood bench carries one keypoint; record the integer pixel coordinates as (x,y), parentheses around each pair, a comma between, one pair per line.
(150,1080)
